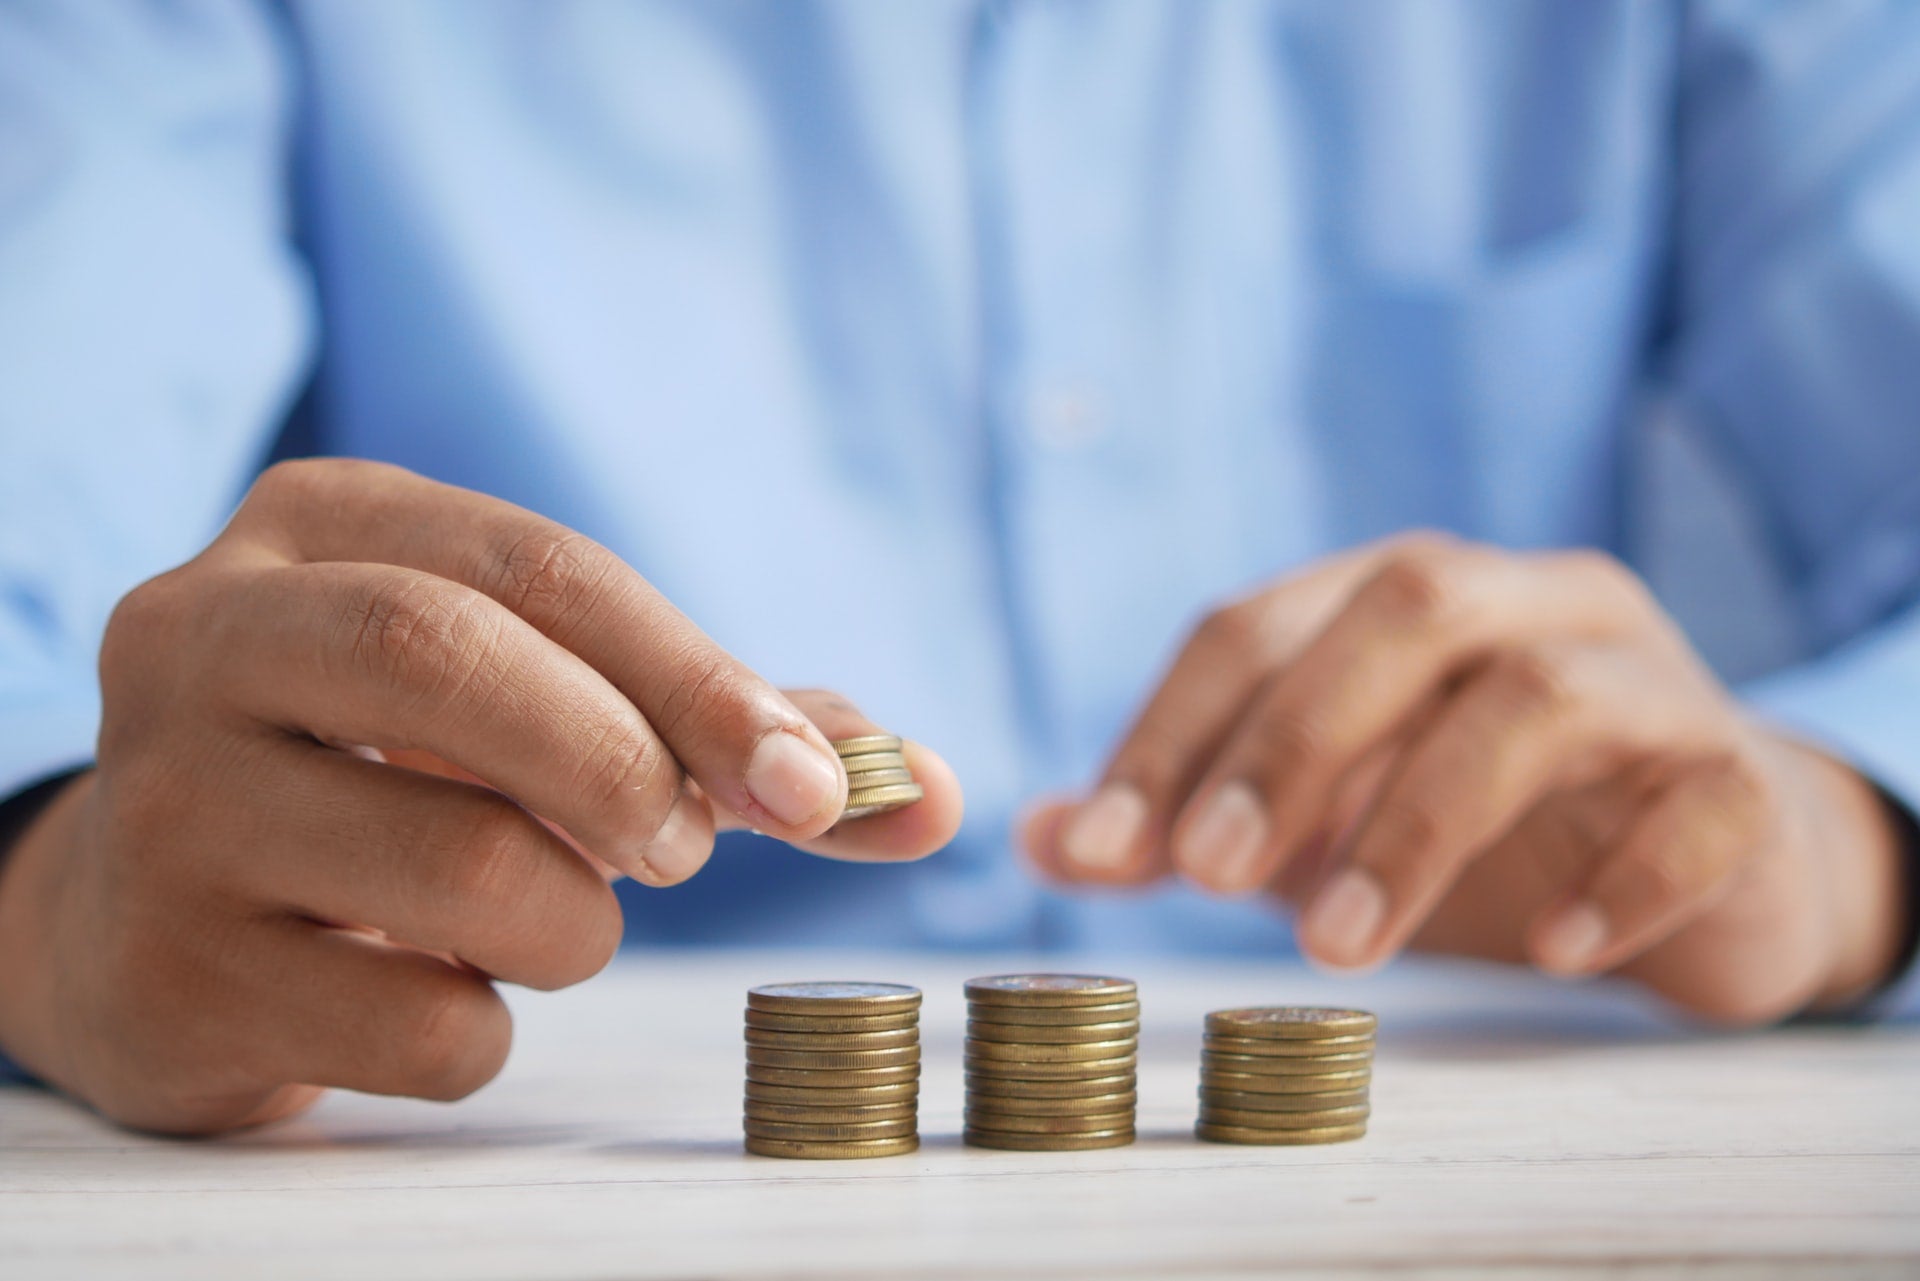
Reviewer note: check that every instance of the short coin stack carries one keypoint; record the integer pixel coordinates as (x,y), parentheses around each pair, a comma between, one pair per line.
(878,779)
(1285,1074)
(833,1069)
(1050,1061)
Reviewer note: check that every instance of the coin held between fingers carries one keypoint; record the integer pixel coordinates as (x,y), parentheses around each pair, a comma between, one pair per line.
(879,780)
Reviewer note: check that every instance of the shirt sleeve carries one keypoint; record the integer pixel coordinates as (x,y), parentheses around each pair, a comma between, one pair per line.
(1796,341)
(153,323)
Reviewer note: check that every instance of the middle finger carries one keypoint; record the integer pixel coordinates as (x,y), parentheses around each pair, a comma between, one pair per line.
(1419,620)
(434,863)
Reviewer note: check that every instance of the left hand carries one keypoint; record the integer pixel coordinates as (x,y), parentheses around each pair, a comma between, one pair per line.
(1513,755)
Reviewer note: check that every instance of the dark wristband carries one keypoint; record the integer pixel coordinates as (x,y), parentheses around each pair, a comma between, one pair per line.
(1907,831)
(20,809)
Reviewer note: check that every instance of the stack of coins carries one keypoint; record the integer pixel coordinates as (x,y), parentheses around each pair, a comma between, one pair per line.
(1285,1074)
(1050,1062)
(833,1070)
(878,779)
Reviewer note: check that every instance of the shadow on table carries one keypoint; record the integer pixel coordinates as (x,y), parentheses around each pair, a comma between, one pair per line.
(1521,1036)
(309,1136)
(669,1147)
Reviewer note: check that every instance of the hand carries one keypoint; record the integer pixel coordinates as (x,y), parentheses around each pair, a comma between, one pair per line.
(1514,756)
(244,902)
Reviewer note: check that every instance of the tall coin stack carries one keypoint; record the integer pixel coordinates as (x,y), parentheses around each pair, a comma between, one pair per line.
(878,779)
(1285,1074)
(1050,1061)
(833,1070)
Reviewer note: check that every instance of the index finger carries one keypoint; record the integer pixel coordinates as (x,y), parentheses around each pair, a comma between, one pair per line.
(1118,835)
(749,748)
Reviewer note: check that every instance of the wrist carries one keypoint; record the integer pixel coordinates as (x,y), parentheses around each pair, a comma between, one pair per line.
(1858,839)
(30,868)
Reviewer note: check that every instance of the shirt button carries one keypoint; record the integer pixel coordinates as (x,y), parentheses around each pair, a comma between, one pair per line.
(1065,419)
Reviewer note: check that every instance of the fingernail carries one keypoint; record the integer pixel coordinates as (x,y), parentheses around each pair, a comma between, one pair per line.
(790,779)
(1102,832)
(1344,918)
(1569,941)
(1222,846)
(679,848)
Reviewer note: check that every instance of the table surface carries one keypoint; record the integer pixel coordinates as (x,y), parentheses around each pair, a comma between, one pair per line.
(1518,1126)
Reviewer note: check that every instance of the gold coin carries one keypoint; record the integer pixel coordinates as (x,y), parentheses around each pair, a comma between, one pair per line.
(810,1114)
(832,1022)
(1078,1088)
(844,747)
(864,801)
(1047,1142)
(1046,1016)
(1284,1120)
(1286,1065)
(1084,1071)
(834,998)
(891,1040)
(834,1079)
(868,762)
(878,778)
(1275,1084)
(1292,1020)
(1053,990)
(813,1150)
(896,1129)
(1242,1134)
(903,1094)
(899,1056)
(1022,1034)
(1247,1101)
(1294,1047)
(1015,1123)
(1092,1105)
(1085,1051)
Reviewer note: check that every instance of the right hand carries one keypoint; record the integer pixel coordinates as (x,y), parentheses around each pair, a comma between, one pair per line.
(245,902)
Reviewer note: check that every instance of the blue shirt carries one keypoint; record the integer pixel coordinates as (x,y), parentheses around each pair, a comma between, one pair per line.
(958,355)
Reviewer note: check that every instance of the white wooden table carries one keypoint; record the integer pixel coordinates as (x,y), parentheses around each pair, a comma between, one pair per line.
(1518,1127)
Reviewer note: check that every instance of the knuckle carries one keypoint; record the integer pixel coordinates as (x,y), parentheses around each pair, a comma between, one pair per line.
(419,637)
(1416,589)
(290,482)
(1534,683)
(708,681)
(143,623)
(550,574)
(588,943)
(1413,826)
(459,1040)
(488,873)
(1233,634)
(628,770)
(295,483)
(1425,542)
(1154,756)
(1658,878)
(1289,740)
(1612,577)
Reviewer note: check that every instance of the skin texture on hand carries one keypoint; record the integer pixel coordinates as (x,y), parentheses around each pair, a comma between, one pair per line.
(1431,744)
(382,744)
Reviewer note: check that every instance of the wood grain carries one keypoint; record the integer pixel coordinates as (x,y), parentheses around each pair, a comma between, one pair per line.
(1518,1126)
